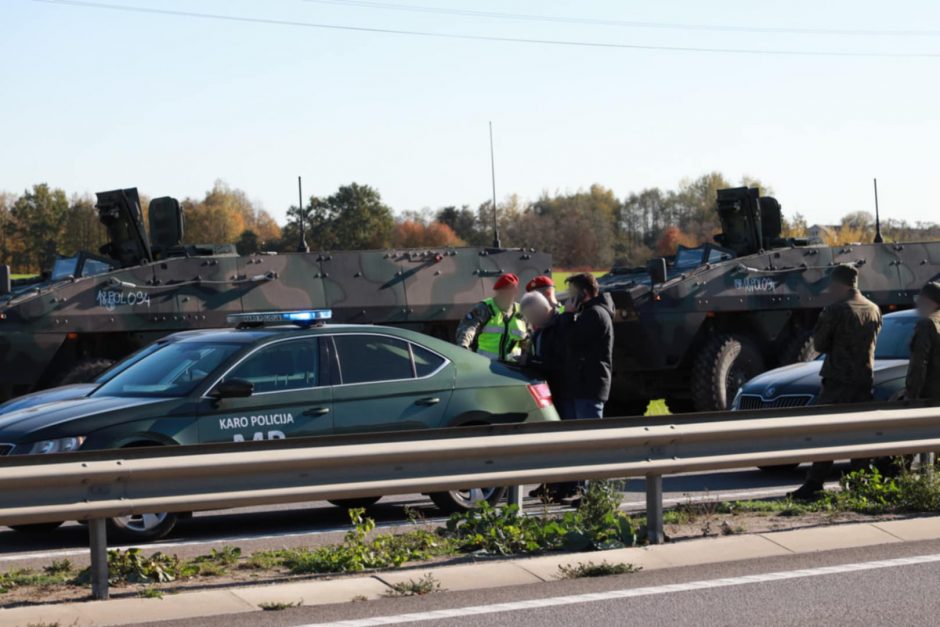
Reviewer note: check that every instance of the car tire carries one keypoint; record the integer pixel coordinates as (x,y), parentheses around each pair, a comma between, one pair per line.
(142,527)
(459,501)
(36,529)
(85,371)
(364,502)
(726,362)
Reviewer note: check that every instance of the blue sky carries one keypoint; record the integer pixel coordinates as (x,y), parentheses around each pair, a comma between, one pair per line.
(95,99)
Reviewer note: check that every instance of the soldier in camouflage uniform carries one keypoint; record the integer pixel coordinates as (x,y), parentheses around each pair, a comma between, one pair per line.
(495,327)
(845,332)
(923,371)
(544,285)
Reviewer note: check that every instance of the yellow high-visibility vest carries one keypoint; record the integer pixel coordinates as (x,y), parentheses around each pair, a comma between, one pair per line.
(501,337)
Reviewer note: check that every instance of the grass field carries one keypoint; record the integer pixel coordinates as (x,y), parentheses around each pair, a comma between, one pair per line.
(22,276)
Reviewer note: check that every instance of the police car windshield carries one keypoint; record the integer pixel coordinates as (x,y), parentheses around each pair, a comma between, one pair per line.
(175,370)
(894,341)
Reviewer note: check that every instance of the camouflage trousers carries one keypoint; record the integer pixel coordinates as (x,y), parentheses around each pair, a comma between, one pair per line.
(837,393)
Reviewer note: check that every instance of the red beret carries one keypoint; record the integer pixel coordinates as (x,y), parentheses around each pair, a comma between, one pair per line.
(539,281)
(507,280)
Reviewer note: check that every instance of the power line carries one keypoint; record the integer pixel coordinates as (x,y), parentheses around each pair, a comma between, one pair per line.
(489,38)
(529,17)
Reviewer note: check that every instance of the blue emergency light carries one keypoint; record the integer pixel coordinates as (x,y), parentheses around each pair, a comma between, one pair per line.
(303,318)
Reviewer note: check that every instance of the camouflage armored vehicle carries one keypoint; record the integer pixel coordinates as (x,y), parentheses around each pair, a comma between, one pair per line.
(694,327)
(92,309)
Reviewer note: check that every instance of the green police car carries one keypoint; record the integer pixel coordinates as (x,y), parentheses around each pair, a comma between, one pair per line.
(279,375)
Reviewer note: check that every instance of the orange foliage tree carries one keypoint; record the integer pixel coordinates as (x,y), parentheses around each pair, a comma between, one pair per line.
(414,234)
(671,239)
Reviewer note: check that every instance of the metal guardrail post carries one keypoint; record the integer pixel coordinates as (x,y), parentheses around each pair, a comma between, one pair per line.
(515,497)
(654,509)
(98,540)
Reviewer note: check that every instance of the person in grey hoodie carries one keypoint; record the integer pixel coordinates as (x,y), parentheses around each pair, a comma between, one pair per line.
(590,349)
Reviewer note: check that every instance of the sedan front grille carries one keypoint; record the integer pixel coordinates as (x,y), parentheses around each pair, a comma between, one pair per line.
(5,449)
(753,401)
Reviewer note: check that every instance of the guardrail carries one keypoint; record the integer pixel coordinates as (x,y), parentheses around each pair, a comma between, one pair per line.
(97,485)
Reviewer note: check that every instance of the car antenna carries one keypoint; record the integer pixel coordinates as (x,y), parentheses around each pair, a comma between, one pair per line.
(496,243)
(302,244)
(878,238)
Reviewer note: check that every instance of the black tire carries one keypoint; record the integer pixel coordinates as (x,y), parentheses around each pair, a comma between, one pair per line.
(142,527)
(799,349)
(726,363)
(364,502)
(458,501)
(85,371)
(36,529)
(781,468)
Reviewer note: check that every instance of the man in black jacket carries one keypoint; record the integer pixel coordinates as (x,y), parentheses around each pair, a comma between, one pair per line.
(590,349)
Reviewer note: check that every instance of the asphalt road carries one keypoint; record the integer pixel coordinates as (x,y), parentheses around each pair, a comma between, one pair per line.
(888,584)
(255,529)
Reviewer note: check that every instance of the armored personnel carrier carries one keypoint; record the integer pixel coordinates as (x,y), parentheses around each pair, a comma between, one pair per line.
(694,327)
(94,308)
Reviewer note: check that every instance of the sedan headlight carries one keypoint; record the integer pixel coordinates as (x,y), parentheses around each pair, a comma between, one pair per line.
(737,399)
(62,445)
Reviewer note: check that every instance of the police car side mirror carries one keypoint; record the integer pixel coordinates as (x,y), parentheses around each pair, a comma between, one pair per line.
(233,388)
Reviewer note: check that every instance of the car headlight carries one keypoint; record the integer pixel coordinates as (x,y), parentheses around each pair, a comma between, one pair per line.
(737,399)
(61,445)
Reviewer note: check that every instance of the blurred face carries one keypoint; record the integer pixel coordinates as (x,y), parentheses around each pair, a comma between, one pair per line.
(505,297)
(537,314)
(575,295)
(838,289)
(925,306)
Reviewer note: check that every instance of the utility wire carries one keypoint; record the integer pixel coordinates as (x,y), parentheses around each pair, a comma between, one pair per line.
(528,17)
(518,40)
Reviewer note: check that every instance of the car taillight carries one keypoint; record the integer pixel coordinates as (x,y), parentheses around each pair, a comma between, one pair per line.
(541,394)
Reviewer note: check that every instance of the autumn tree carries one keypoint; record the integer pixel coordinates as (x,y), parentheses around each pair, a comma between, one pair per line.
(414,234)
(671,239)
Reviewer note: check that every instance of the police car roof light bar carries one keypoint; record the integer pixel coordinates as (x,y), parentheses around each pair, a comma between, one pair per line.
(302,318)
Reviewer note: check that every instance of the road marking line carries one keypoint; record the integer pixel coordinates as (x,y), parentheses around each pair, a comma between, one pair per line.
(628,593)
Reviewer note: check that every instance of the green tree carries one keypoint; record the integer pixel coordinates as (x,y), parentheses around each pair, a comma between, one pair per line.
(81,229)
(353,218)
(38,216)
(248,243)
(464,223)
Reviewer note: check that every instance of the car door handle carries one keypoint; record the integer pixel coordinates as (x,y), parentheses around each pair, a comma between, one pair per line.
(431,400)
(317,411)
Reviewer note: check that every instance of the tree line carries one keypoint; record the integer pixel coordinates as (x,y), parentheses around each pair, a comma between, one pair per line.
(589,228)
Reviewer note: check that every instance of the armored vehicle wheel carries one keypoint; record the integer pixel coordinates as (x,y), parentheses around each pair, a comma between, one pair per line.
(457,501)
(85,371)
(364,502)
(799,349)
(726,363)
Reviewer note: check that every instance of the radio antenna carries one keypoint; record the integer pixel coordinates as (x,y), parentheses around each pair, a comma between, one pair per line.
(496,243)
(878,238)
(302,244)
